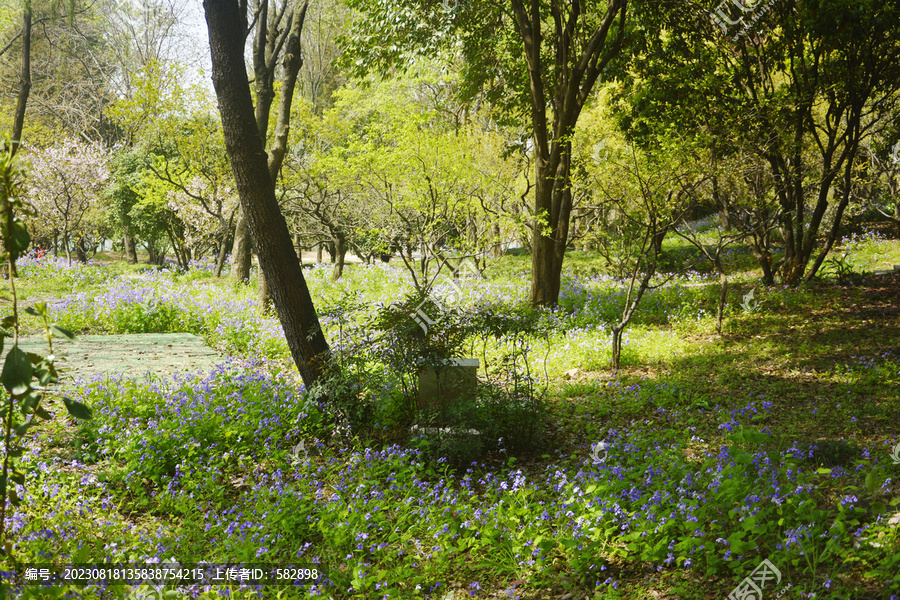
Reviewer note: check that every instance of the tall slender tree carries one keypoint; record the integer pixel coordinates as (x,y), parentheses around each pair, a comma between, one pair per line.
(24,80)
(253,172)
(278,28)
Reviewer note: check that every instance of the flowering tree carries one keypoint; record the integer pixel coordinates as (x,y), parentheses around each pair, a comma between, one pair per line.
(190,161)
(65,188)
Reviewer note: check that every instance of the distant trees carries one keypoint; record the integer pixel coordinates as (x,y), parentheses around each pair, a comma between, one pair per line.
(189,162)
(385,166)
(786,97)
(65,187)
(173,185)
(540,59)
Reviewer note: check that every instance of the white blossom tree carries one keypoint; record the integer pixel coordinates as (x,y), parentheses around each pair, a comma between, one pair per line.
(65,187)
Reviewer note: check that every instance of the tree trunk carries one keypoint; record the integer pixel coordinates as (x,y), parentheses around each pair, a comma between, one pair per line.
(319,253)
(617,331)
(632,300)
(545,276)
(223,244)
(298,245)
(897,214)
(249,161)
(24,81)
(240,250)
(835,230)
(341,253)
(497,249)
(130,249)
(263,295)
(67,247)
(80,253)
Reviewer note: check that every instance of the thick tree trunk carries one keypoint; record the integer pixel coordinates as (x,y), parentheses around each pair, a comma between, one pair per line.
(130,249)
(240,250)
(249,161)
(553,199)
(544,274)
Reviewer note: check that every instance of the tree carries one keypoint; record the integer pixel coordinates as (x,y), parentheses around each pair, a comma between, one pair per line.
(253,168)
(277,36)
(24,81)
(190,158)
(799,87)
(646,191)
(319,75)
(879,184)
(567,46)
(66,187)
(123,196)
(395,160)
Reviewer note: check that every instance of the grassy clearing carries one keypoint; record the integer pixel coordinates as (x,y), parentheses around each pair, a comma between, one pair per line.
(770,442)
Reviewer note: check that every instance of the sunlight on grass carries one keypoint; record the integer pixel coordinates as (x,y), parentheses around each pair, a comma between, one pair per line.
(773,441)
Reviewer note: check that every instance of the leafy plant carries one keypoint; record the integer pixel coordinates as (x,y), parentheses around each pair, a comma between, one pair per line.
(841,269)
(25,374)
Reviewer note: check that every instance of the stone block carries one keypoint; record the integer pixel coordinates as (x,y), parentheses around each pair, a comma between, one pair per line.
(438,385)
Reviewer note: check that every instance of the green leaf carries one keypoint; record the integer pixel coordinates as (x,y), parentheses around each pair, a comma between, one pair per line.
(57,331)
(743,458)
(873,481)
(77,409)
(16,375)
(42,413)
(823,471)
(20,238)
(46,374)
(8,322)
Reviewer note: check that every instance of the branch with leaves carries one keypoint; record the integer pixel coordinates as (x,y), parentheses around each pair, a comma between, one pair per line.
(25,375)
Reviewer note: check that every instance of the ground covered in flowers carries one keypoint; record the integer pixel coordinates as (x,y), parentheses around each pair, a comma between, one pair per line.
(675,477)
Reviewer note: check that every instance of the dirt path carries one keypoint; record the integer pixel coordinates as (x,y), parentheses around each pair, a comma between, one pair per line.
(161,354)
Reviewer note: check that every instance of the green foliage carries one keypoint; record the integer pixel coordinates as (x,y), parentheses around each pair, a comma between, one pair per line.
(25,375)
(215,420)
(841,268)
